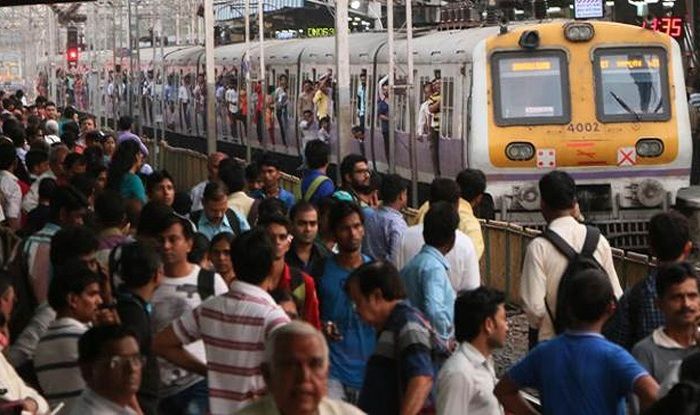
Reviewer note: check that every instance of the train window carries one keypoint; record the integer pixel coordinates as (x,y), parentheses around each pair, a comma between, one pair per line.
(292,94)
(447,106)
(631,85)
(531,88)
(354,81)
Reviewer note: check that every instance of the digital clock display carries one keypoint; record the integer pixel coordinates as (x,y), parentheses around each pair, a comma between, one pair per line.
(671,25)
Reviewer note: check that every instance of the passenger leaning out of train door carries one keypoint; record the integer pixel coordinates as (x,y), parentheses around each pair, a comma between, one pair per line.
(425,118)
(544,264)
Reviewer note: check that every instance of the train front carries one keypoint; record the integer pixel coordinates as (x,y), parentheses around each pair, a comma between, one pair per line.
(603,101)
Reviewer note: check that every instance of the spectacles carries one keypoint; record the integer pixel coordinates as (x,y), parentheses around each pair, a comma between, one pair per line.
(120,362)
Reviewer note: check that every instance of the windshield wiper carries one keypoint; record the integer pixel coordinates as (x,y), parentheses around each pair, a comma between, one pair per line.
(625,107)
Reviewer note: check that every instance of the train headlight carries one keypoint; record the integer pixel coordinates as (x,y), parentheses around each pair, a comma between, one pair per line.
(650,192)
(529,39)
(649,147)
(520,151)
(578,32)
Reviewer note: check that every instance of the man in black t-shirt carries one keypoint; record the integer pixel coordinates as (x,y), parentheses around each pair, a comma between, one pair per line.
(141,269)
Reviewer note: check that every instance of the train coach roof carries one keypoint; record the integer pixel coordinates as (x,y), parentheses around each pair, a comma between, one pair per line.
(454,46)
(146,54)
(185,56)
(363,47)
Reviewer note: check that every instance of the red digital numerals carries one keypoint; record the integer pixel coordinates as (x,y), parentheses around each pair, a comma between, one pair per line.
(671,25)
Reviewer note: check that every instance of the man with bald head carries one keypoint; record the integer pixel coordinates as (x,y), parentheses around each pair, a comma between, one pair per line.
(295,368)
(197,191)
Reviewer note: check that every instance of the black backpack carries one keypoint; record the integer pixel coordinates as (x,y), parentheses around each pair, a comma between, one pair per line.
(578,261)
(233,220)
(205,283)
(205,277)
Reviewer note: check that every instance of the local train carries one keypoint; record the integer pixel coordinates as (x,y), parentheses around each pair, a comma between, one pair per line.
(604,101)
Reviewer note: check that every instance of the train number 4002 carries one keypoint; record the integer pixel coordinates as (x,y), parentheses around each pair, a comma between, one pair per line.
(583,127)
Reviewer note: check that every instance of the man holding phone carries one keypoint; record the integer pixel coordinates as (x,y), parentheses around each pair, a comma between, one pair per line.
(350,340)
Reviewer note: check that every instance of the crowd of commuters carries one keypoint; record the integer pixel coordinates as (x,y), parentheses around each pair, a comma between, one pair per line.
(127,295)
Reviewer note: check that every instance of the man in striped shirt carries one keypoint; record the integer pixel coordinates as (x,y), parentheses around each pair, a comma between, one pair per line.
(233,326)
(75,295)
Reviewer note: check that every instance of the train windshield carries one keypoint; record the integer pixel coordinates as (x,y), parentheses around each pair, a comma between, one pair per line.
(530,88)
(631,85)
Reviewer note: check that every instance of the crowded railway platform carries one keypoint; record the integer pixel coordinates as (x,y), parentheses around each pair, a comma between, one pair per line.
(490,210)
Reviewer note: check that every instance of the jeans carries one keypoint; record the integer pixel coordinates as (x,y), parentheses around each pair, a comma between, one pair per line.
(191,401)
(281,114)
(435,151)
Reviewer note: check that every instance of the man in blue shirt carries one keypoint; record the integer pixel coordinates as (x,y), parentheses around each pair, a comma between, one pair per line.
(316,184)
(400,373)
(270,176)
(427,283)
(217,217)
(580,372)
(383,116)
(385,228)
(351,342)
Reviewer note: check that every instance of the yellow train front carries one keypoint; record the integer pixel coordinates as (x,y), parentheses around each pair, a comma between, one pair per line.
(603,101)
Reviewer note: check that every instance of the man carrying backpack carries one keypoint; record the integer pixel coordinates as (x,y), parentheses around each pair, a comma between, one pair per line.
(557,254)
(184,287)
(217,217)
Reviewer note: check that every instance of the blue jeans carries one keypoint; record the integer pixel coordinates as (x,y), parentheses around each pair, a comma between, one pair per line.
(191,401)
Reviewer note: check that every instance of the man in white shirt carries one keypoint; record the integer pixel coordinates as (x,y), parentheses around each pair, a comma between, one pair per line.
(466,381)
(181,291)
(297,344)
(233,327)
(9,188)
(16,390)
(231,98)
(51,132)
(464,271)
(183,96)
(57,154)
(111,363)
(661,352)
(544,265)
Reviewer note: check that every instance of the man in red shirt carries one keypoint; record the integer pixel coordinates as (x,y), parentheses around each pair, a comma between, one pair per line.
(296,282)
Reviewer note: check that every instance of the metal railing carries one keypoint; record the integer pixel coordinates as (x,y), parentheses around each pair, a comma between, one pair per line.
(505,243)
(505,246)
(189,167)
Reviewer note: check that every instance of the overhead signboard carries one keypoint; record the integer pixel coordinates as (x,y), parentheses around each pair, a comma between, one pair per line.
(8,3)
(588,9)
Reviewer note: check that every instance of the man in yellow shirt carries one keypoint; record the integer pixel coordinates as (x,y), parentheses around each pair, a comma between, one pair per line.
(472,184)
(322,100)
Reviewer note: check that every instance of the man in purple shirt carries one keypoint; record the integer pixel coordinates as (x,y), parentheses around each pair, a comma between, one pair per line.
(383,230)
(125,123)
